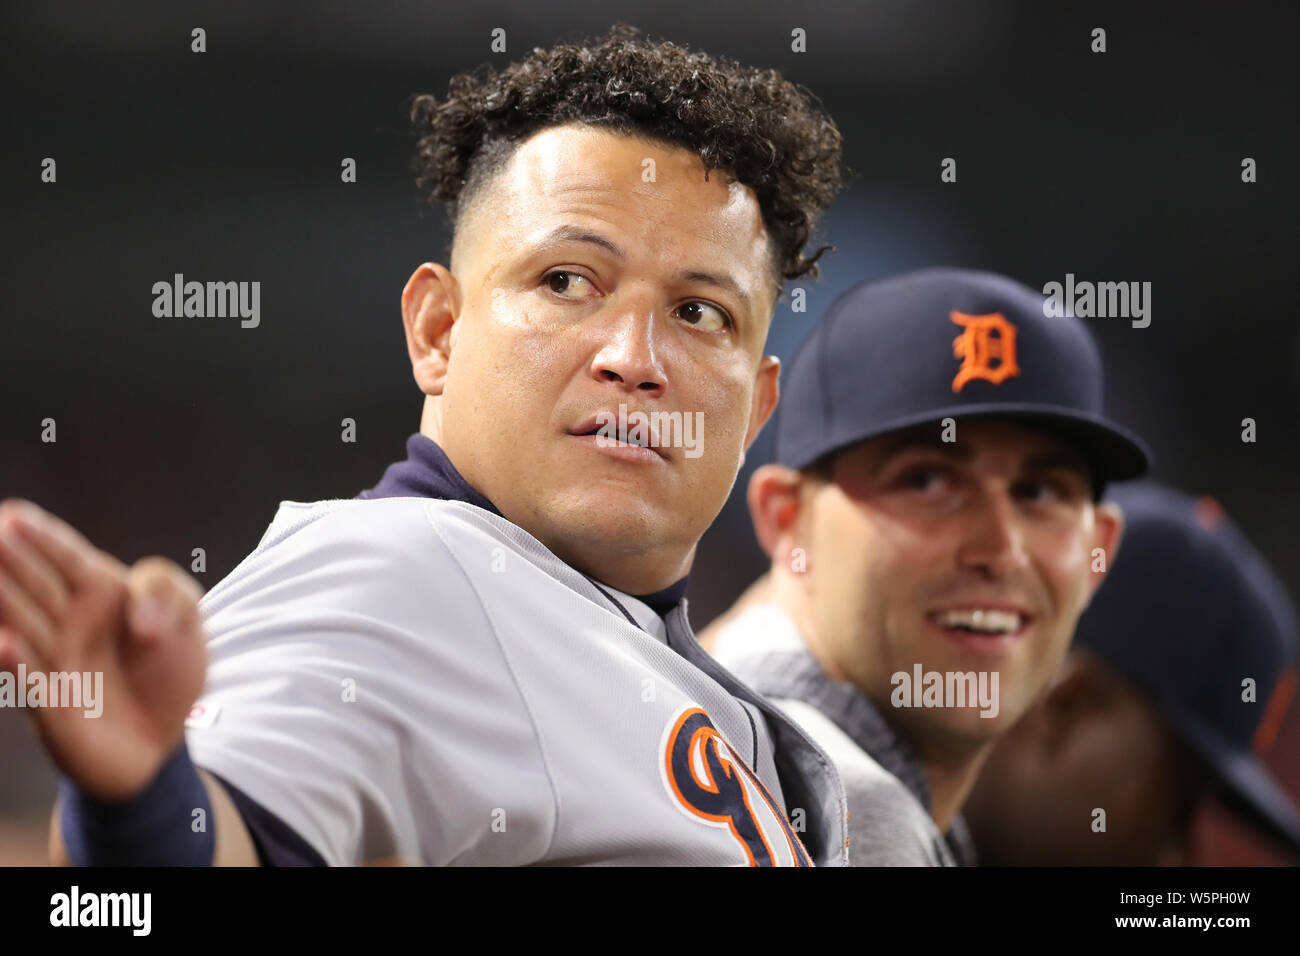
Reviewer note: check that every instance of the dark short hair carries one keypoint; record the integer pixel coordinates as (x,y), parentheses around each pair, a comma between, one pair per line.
(753,124)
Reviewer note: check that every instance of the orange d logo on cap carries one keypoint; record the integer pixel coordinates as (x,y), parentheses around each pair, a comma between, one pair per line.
(983,339)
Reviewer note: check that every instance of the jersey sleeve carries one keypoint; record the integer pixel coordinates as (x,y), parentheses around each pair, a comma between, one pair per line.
(356,691)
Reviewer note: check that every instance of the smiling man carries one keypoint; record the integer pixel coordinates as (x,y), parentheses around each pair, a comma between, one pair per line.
(1176,685)
(485,658)
(934,531)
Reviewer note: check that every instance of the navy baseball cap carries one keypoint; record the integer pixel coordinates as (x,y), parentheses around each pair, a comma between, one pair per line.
(1188,612)
(942,343)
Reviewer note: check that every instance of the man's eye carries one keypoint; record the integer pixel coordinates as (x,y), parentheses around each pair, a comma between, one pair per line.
(1039,491)
(704,316)
(924,479)
(562,281)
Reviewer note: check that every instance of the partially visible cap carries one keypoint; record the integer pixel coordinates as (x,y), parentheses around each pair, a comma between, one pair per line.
(942,343)
(1190,613)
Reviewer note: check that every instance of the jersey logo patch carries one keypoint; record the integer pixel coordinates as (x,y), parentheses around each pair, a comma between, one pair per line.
(707,781)
(202,715)
(983,339)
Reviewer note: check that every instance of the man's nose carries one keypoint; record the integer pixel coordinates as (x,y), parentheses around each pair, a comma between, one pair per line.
(993,541)
(630,355)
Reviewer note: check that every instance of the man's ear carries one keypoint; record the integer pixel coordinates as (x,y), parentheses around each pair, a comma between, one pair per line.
(766,392)
(1108,531)
(431,304)
(774,503)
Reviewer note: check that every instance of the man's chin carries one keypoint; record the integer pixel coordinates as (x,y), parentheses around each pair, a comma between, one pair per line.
(955,731)
(954,697)
(603,519)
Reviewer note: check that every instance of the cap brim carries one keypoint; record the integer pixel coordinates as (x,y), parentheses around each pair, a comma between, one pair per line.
(1252,791)
(1111,451)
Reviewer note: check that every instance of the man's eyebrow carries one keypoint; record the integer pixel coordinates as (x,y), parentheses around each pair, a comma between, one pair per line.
(1043,461)
(577,234)
(720,281)
(911,441)
(1067,459)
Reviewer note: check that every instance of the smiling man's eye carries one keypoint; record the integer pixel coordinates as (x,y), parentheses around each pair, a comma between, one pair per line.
(1035,490)
(704,316)
(562,282)
(923,478)
(1064,489)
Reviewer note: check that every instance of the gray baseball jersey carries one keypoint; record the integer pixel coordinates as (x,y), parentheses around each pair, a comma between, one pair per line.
(422,679)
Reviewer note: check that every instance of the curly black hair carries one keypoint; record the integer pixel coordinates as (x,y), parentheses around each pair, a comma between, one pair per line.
(756,126)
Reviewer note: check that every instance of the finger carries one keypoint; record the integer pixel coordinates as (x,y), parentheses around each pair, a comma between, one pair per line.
(33,573)
(163,599)
(79,561)
(162,576)
(14,651)
(19,613)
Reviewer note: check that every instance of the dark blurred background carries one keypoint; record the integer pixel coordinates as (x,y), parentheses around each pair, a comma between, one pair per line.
(182,433)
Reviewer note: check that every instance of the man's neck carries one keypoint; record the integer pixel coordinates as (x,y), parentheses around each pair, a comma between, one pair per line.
(635,573)
(951,772)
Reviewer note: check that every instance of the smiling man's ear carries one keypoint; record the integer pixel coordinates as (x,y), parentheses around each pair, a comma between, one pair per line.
(1108,531)
(431,304)
(774,503)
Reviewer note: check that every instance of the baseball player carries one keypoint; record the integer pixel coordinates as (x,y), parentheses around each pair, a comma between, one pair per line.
(934,530)
(1178,678)
(485,658)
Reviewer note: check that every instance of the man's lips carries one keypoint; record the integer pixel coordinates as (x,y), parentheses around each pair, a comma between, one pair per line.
(600,432)
(981,625)
(623,451)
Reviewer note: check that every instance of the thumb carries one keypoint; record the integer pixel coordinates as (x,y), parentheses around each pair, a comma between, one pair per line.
(162,600)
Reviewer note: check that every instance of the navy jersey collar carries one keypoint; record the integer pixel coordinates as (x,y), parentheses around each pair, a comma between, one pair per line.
(427,472)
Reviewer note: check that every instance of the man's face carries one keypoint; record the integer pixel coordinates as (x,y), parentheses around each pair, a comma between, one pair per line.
(1093,743)
(603,270)
(973,556)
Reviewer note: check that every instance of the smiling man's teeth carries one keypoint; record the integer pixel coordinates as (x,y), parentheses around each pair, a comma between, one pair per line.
(989,620)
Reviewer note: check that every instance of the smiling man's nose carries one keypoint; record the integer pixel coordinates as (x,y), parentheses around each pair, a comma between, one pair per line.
(630,356)
(994,541)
